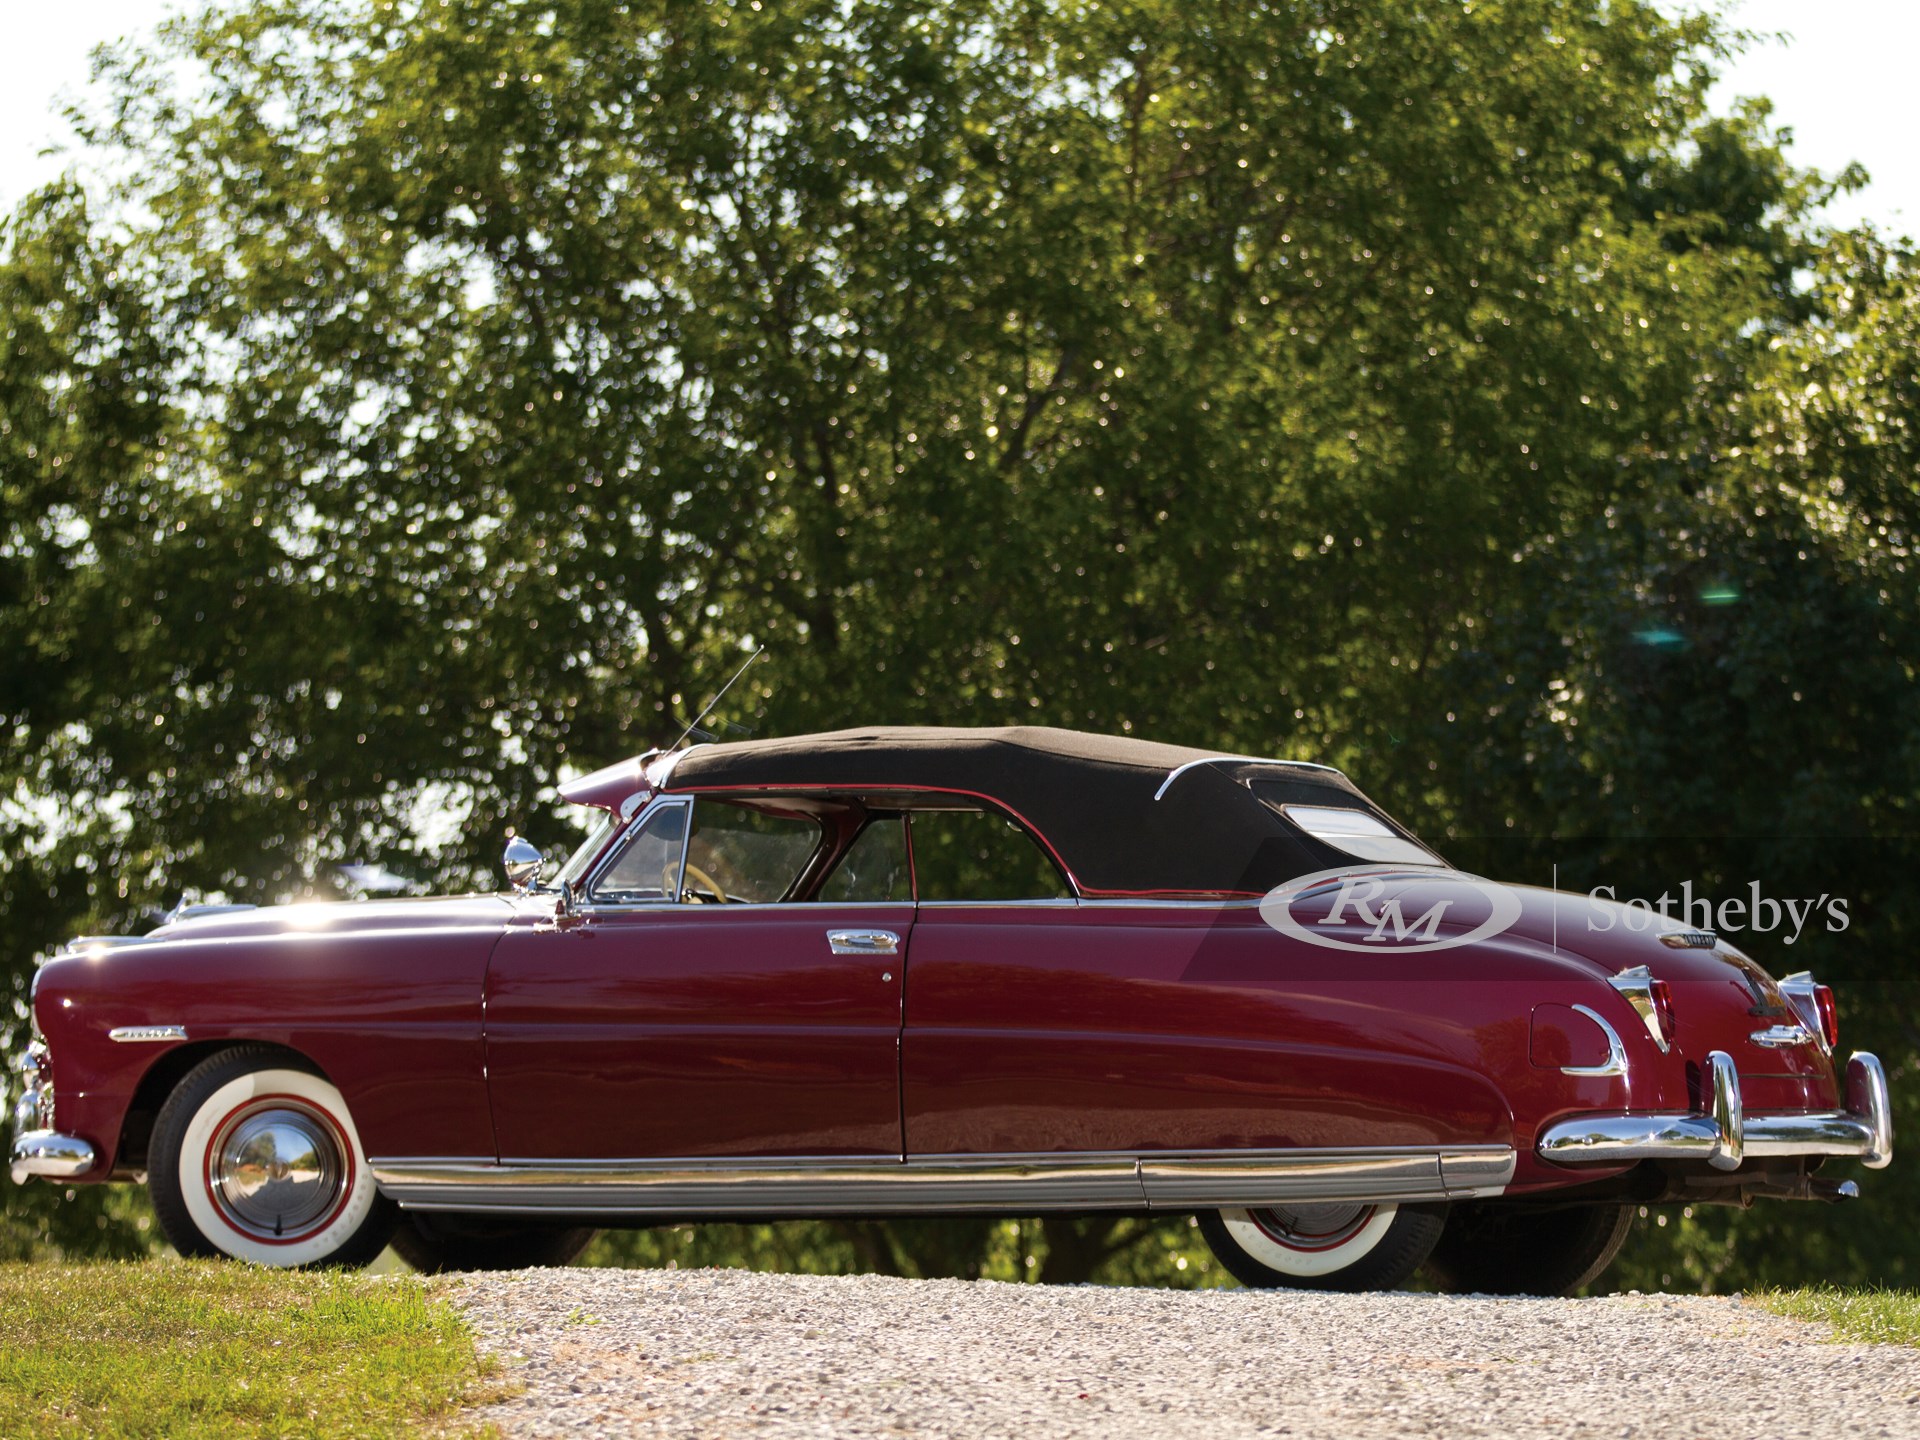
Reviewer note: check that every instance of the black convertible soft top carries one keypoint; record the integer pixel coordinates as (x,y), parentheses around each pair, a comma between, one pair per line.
(1092,798)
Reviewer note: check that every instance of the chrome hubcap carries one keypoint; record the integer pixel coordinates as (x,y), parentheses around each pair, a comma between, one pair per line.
(1312,1227)
(277,1171)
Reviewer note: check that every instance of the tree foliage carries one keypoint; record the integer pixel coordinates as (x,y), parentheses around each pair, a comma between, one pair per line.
(445,391)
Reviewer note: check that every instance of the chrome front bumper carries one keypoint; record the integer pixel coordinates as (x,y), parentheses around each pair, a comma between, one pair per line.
(39,1149)
(49,1153)
(1723,1135)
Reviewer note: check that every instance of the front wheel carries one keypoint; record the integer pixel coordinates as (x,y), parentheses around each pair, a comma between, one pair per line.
(254,1156)
(1503,1248)
(1324,1247)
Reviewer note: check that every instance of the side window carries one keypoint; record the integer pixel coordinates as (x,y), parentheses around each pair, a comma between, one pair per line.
(874,869)
(648,869)
(746,857)
(975,855)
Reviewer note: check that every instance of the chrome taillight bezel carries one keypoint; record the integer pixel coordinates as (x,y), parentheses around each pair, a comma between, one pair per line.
(1654,1008)
(1805,995)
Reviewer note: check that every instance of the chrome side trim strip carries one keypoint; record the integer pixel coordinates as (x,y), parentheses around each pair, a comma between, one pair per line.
(1055,902)
(95,944)
(1474,1173)
(1179,770)
(145,1034)
(1096,902)
(737,907)
(784,1186)
(1258,1179)
(838,1185)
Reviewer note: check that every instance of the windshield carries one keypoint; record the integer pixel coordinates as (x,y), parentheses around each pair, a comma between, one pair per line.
(577,863)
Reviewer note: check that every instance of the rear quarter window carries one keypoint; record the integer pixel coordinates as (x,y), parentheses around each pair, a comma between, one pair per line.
(1350,830)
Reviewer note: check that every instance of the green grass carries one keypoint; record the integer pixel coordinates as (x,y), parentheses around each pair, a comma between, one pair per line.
(1886,1317)
(176,1348)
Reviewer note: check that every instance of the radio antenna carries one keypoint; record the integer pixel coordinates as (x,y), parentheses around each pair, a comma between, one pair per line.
(708,708)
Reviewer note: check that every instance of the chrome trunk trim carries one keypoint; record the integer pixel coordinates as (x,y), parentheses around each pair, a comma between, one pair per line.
(1690,939)
(841,1185)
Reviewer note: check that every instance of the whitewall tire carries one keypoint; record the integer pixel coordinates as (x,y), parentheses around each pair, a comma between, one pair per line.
(254,1156)
(1333,1246)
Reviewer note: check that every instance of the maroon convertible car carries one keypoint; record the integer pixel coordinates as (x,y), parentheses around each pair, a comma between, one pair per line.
(933,971)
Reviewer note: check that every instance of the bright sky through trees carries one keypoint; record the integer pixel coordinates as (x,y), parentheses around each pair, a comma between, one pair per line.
(1841,84)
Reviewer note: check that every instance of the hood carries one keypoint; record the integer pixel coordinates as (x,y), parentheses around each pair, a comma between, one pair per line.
(449,912)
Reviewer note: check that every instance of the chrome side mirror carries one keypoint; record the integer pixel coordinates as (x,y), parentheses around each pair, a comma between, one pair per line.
(523,863)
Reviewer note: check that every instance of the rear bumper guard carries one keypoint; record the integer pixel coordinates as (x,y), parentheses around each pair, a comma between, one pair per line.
(1723,1135)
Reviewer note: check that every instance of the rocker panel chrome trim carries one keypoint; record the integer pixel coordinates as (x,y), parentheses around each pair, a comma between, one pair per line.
(840,1185)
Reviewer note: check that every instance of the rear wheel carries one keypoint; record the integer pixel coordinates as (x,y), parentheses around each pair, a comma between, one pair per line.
(1495,1248)
(432,1243)
(254,1156)
(1323,1247)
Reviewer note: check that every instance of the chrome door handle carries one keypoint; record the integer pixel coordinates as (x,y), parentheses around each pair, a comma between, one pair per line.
(863,942)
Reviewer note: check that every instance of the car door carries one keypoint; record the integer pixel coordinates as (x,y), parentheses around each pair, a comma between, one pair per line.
(687,1008)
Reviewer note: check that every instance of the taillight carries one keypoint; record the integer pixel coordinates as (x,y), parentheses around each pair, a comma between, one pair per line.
(1661,994)
(1829,1014)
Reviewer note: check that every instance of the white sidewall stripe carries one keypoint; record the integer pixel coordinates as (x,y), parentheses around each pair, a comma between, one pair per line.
(193,1169)
(1307,1263)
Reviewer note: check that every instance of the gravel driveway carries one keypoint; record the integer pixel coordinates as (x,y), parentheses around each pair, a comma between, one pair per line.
(712,1353)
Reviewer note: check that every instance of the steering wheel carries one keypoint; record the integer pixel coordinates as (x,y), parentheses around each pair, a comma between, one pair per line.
(694,872)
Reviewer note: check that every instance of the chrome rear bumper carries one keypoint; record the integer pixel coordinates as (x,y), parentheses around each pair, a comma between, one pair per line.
(1723,1135)
(49,1153)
